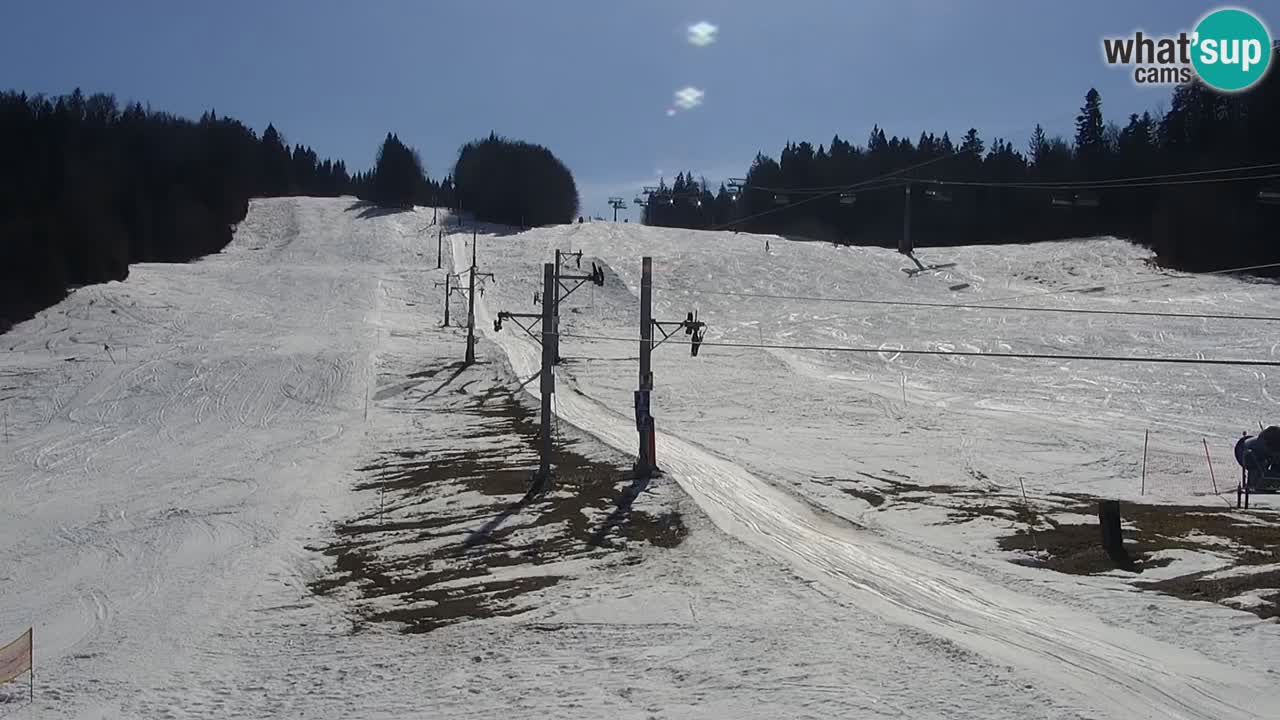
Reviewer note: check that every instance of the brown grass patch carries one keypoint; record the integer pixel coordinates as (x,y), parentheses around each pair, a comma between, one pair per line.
(460,541)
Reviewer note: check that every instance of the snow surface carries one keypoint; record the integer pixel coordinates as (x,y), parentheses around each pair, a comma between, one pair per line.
(1242,570)
(175,442)
(739,425)
(1253,598)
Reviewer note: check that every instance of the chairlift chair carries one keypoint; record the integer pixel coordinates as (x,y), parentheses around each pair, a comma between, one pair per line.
(848,198)
(1088,199)
(937,193)
(1058,200)
(1269,195)
(781,199)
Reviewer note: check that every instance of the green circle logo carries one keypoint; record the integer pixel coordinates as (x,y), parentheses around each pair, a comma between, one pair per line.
(1231,49)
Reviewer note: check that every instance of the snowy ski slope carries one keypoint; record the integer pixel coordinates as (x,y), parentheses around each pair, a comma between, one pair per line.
(175,442)
(1059,425)
(1074,425)
(174,439)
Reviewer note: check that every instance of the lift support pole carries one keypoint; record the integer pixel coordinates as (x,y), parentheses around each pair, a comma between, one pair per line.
(644,421)
(555,310)
(548,385)
(904,245)
(647,462)
(471,305)
(561,291)
(447,292)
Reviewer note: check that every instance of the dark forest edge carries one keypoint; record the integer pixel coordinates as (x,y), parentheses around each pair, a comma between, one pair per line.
(88,188)
(1195,226)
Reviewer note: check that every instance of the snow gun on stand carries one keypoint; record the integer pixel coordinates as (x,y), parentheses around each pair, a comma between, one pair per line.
(1259,459)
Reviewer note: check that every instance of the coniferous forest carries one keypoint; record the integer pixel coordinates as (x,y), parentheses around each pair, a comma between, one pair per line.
(969,191)
(88,187)
(514,183)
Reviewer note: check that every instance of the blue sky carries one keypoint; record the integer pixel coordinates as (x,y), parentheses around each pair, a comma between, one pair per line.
(593,79)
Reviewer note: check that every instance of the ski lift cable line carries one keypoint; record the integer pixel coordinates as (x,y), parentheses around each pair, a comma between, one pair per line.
(978,306)
(1095,288)
(1127,283)
(884,185)
(889,183)
(957,353)
(1166,176)
(1063,184)
(1096,185)
(847,188)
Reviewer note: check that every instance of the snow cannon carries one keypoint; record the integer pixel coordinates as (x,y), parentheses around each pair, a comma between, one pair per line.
(1259,459)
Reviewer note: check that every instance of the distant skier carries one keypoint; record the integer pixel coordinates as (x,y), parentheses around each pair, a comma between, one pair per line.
(766,247)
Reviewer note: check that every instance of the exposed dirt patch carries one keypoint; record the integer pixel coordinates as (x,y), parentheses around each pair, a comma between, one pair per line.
(457,535)
(1076,548)
(1241,537)
(1244,537)
(854,488)
(1201,586)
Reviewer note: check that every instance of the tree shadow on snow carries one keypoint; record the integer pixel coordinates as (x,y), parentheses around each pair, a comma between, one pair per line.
(489,229)
(622,509)
(370,210)
(484,533)
(458,368)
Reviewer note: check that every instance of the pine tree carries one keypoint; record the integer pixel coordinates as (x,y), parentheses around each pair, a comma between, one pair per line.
(971,143)
(1038,146)
(515,183)
(1091,141)
(275,163)
(397,174)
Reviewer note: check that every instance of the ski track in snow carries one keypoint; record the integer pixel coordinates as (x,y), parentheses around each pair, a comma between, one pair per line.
(172,448)
(1105,668)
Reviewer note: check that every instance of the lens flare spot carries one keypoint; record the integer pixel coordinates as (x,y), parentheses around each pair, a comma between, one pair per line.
(702,34)
(689,98)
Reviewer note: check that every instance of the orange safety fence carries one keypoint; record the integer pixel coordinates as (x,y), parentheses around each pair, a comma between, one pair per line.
(15,658)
